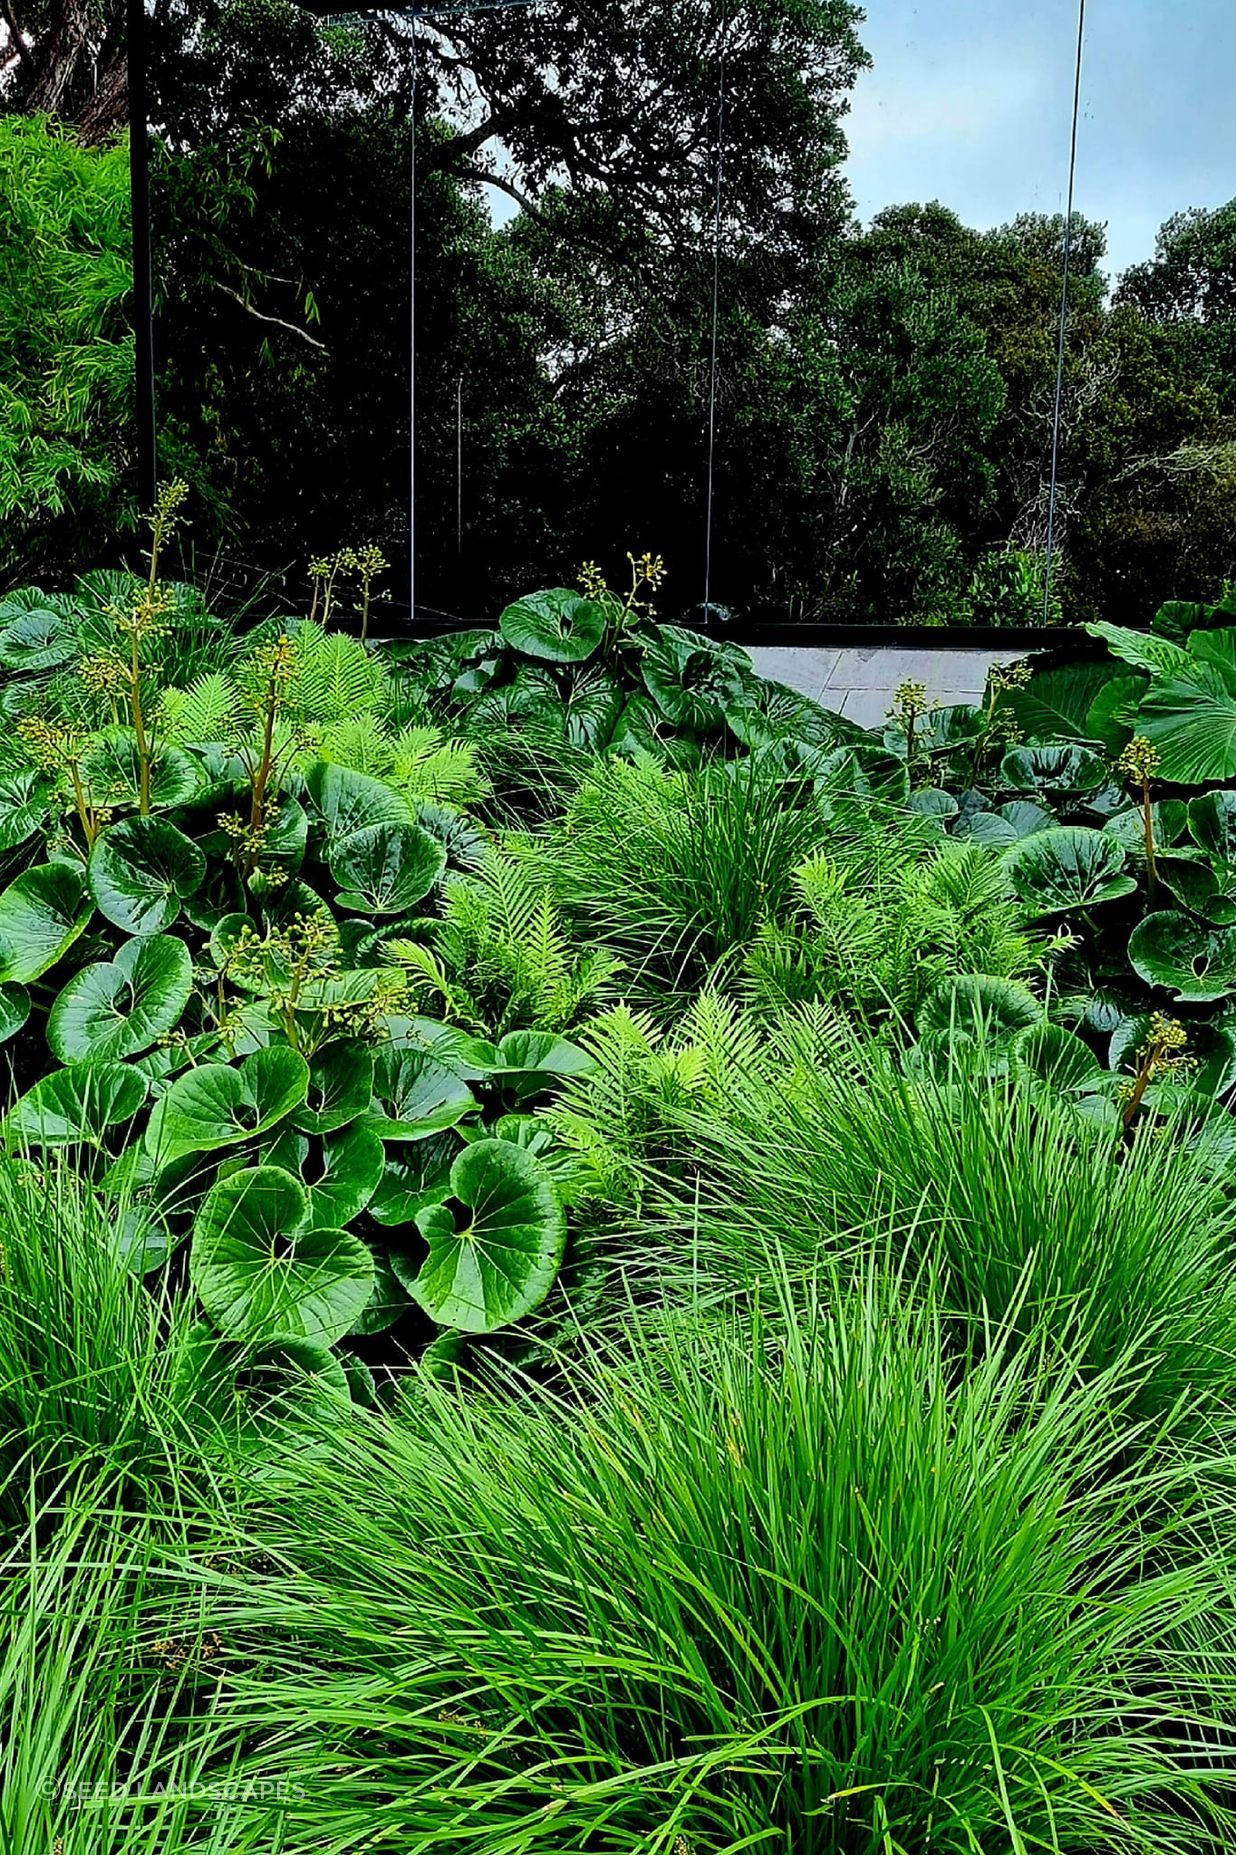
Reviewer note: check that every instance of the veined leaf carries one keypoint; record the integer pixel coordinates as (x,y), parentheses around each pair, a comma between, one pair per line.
(500,1263)
(221,1104)
(140,871)
(41,915)
(1071,867)
(261,1274)
(75,1106)
(557,626)
(120,1006)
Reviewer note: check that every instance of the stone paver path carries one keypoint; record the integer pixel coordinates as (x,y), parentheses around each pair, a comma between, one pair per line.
(859,683)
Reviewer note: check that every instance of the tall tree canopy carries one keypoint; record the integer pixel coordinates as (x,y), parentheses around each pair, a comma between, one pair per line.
(877,426)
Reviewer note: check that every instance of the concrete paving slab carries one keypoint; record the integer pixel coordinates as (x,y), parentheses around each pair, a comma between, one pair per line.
(833,677)
(884,666)
(868,707)
(806,670)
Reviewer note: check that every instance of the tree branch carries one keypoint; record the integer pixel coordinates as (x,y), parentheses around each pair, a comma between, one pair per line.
(278,321)
(15,38)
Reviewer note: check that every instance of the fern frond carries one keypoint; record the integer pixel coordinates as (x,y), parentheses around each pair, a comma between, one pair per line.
(336,678)
(423,965)
(208,710)
(360,742)
(431,769)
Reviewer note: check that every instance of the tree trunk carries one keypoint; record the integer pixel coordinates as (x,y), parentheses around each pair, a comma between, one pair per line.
(106,109)
(57,55)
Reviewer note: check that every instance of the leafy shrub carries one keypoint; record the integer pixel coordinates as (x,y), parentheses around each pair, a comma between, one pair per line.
(220,897)
(885,916)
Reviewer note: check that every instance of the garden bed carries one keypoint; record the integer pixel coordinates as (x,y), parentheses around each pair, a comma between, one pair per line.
(594,1257)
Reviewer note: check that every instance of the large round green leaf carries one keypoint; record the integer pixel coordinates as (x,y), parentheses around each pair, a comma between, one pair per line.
(25,805)
(642,728)
(531,706)
(1191,958)
(1176,618)
(414,1096)
(120,1006)
(414,1176)
(1049,1056)
(933,802)
(1167,822)
(533,1060)
(1212,826)
(592,709)
(113,773)
(469,1058)
(1057,768)
(499,1262)
(76,1105)
(221,1104)
(464,841)
(14,1010)
(261,1274)
(940,731)
(352,1161)
(1204,888)
(1008,824)
(346,801)
(141,869)
(978,1006)
(340,1087)
(1143,649)
(692,680)
(1055,704)
(556,626)
(41,637)
(1113,713)
(1192,722)
(385,869)
(1069,867)
(1217,646)
(41,915)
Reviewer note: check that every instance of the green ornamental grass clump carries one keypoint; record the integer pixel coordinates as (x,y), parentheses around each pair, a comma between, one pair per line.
(809,1583)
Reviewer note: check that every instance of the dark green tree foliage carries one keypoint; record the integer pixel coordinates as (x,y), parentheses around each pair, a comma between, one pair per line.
(883,395)
(571,345)
(66,354)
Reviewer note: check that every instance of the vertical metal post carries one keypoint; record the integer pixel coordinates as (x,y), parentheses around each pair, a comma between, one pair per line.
(143,285)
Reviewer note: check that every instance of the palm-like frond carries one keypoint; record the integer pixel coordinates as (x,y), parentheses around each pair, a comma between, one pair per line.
(208,710)
(502,958)
(336,678)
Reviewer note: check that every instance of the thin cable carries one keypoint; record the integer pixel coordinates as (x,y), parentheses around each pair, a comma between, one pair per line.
(1064,317)
(412,353)
(459,465)
(716,300)
(416,13)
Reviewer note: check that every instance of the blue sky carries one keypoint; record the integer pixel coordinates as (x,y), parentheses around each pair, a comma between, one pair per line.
(969,102)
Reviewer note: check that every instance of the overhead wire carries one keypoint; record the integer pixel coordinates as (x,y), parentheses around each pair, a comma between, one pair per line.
(1058,404)
(716,306)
